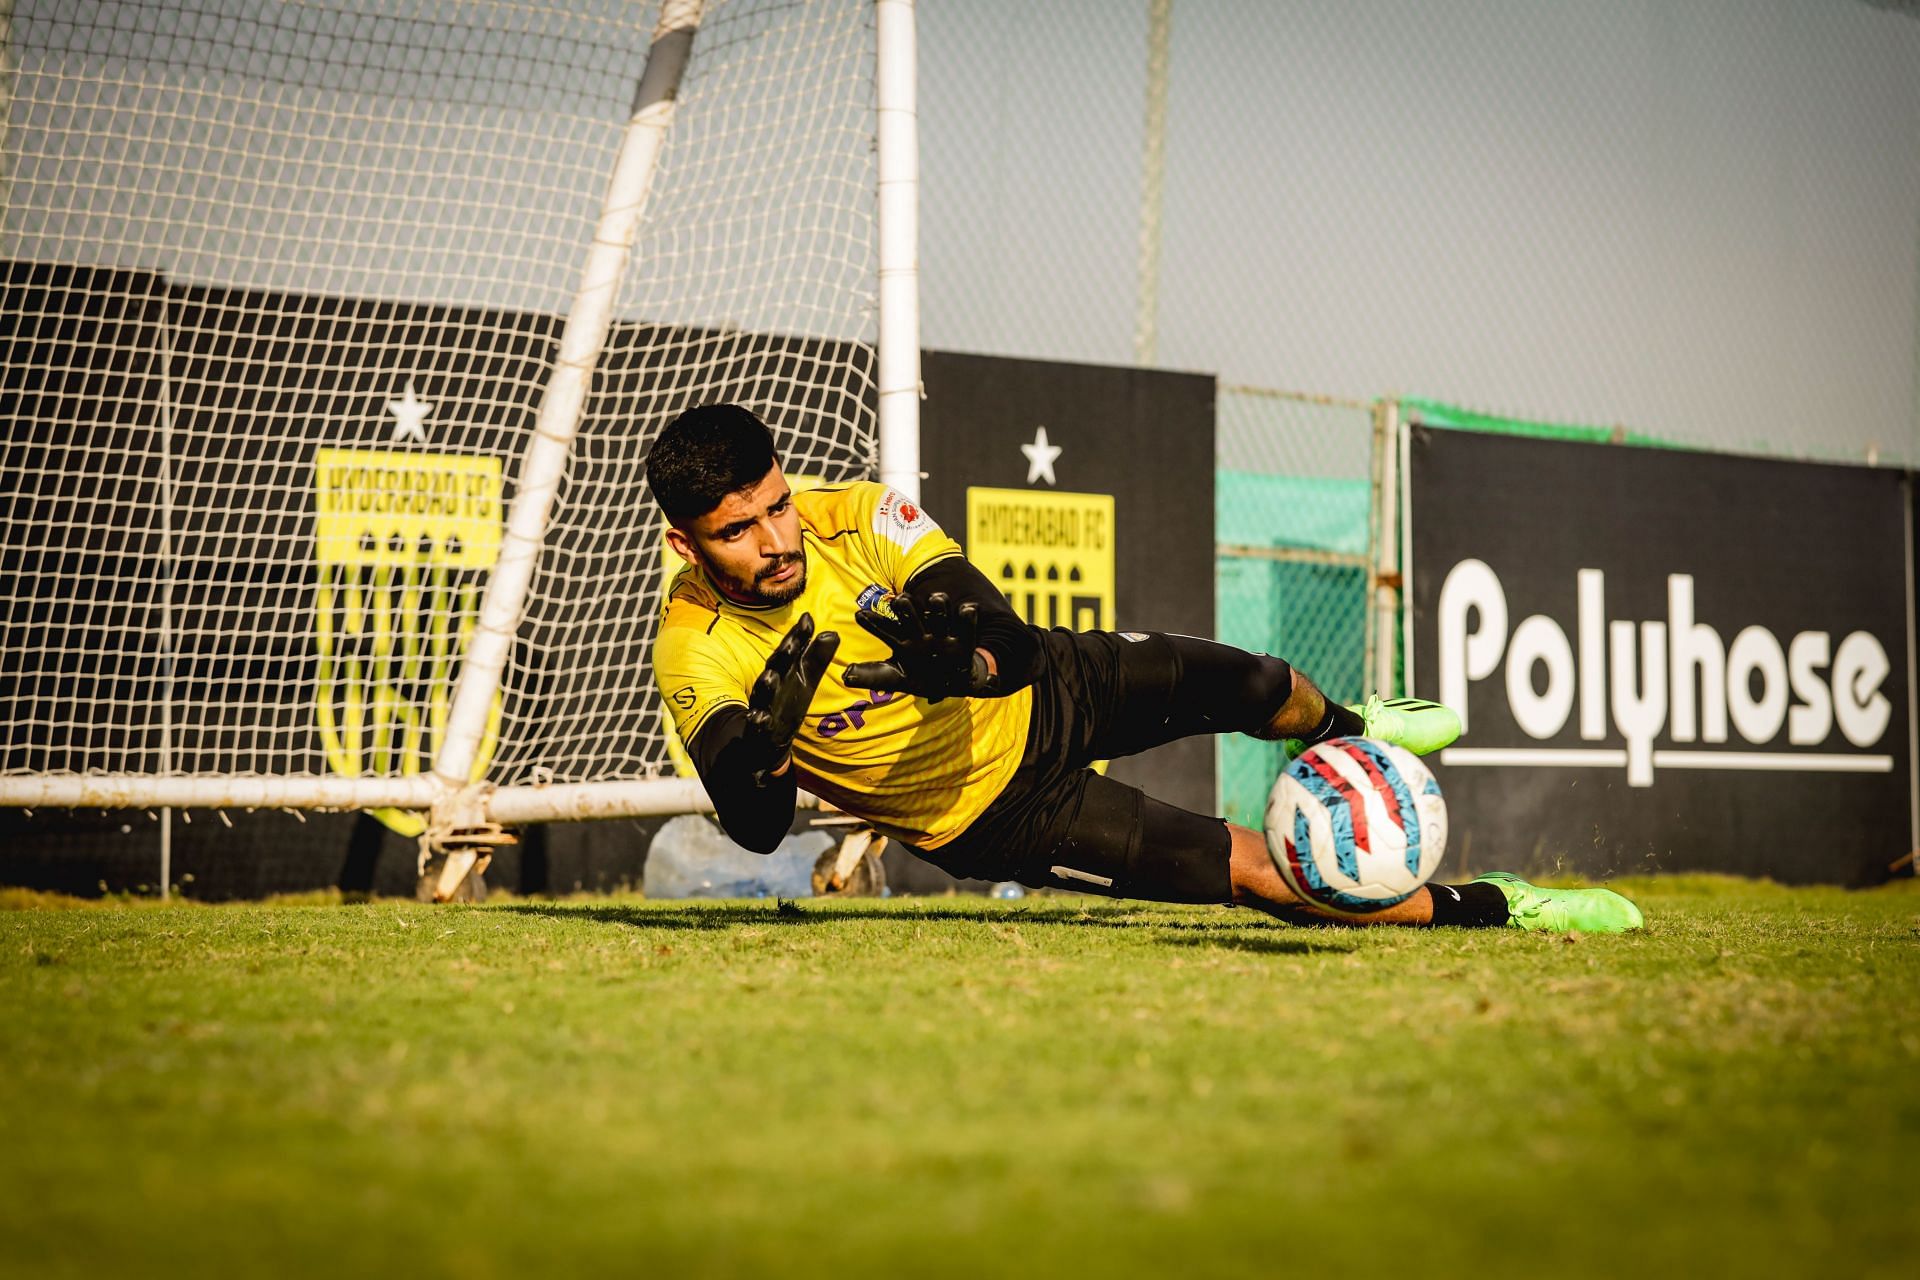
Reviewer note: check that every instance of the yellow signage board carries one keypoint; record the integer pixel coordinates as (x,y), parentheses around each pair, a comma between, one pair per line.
(381,508)
(403,542)
(1050,552)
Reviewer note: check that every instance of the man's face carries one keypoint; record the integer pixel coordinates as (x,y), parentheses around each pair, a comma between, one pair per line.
(749,544)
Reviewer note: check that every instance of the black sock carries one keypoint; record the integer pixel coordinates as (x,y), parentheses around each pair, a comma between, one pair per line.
(1337,723)
(1471,906)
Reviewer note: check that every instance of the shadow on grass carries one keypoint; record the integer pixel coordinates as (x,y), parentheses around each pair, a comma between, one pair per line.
(728,915)
(1285,942)
(1231,934)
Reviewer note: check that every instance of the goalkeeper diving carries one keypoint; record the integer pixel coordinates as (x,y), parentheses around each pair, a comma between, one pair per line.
(837,639)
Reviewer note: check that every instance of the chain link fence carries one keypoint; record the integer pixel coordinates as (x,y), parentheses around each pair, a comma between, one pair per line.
(1697,221)
(1694,223)
(1292,518)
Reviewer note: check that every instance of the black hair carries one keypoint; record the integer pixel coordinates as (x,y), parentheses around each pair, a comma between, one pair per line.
(705,454)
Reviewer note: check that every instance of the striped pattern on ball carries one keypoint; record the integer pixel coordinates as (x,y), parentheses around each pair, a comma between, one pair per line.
(1356,825)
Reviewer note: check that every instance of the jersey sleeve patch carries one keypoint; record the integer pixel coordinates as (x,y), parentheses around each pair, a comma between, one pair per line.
(900,521)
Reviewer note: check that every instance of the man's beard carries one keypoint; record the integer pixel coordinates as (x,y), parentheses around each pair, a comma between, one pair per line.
(756,592)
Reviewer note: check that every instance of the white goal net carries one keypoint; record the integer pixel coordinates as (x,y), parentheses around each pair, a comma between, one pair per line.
(284,286)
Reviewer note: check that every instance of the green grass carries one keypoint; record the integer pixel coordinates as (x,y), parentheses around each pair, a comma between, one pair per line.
(956,1087)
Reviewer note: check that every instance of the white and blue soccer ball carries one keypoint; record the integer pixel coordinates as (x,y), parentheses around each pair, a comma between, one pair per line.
(1356,825)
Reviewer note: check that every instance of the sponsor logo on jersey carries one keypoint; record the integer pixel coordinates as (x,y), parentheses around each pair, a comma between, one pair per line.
(835,723)
(402,545)
(900,520)
(875,599)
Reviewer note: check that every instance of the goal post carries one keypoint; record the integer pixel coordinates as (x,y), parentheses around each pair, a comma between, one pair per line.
(337,332)
(564,398)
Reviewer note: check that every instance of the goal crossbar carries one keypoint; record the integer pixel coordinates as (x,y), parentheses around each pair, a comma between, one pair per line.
(510,805)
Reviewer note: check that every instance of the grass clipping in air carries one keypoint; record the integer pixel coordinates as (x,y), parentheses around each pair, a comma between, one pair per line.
(956,1087)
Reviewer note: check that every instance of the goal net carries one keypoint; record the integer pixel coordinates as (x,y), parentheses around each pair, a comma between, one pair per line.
(285,284)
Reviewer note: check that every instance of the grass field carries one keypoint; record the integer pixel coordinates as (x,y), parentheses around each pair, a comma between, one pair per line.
(956,1087)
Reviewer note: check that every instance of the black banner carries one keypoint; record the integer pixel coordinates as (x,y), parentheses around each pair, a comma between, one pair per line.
(251,387)
(1071,436)
(1666,661)
(116,381)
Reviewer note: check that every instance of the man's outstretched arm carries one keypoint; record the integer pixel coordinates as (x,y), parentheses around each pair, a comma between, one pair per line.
(743,753)
(1004,635)
(754,805)
(953,635)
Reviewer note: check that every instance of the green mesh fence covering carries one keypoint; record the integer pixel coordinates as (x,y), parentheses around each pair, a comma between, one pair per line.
(1257,510)
(1313,615)
(1433,413)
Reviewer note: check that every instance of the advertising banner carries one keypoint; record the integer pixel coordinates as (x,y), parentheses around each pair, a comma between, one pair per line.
(1052,553)
(1086,493)
(1664,660)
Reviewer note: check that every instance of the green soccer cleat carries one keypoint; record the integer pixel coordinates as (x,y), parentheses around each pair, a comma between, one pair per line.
(1421,727)
(1562,910)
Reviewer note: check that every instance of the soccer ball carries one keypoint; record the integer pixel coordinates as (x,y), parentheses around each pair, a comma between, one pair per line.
(1355,825)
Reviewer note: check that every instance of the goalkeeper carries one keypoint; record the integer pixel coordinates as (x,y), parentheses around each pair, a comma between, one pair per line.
(837,639)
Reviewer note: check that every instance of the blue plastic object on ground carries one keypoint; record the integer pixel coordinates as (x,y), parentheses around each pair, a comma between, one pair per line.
(692,858)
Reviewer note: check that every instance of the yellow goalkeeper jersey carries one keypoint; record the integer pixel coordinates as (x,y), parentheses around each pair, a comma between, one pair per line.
(918,772)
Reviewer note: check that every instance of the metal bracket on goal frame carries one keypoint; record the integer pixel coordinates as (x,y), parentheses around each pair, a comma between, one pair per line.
(854,869)
(458,845)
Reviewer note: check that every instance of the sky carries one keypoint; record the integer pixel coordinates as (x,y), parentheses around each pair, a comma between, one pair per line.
(1698,219)
(1694,218)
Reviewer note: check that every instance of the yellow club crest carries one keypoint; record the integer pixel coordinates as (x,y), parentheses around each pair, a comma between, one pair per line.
(402,545)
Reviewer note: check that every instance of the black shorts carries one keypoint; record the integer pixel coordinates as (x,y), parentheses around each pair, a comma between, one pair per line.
(1100,696)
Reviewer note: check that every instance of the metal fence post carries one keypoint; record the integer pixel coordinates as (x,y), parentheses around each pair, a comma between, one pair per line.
(1384,562)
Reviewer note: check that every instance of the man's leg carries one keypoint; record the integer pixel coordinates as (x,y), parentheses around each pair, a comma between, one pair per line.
(1120,842)
(1257,884)
(1150,688)
(1094,834)
(1489,901)
(1160,687)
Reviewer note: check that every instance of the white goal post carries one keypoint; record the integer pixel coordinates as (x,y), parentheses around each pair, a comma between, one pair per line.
(337,332)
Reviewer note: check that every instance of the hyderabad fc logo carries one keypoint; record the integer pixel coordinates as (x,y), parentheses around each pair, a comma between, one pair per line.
(404,542)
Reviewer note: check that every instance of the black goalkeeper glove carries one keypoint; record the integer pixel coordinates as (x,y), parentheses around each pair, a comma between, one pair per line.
(934,653)
(778,701)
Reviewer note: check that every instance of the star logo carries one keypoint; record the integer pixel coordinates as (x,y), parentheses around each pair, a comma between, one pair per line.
(409,416)
(1040,456)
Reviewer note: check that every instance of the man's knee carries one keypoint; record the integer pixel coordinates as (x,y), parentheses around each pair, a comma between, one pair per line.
(1233,689)
(1123,843)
